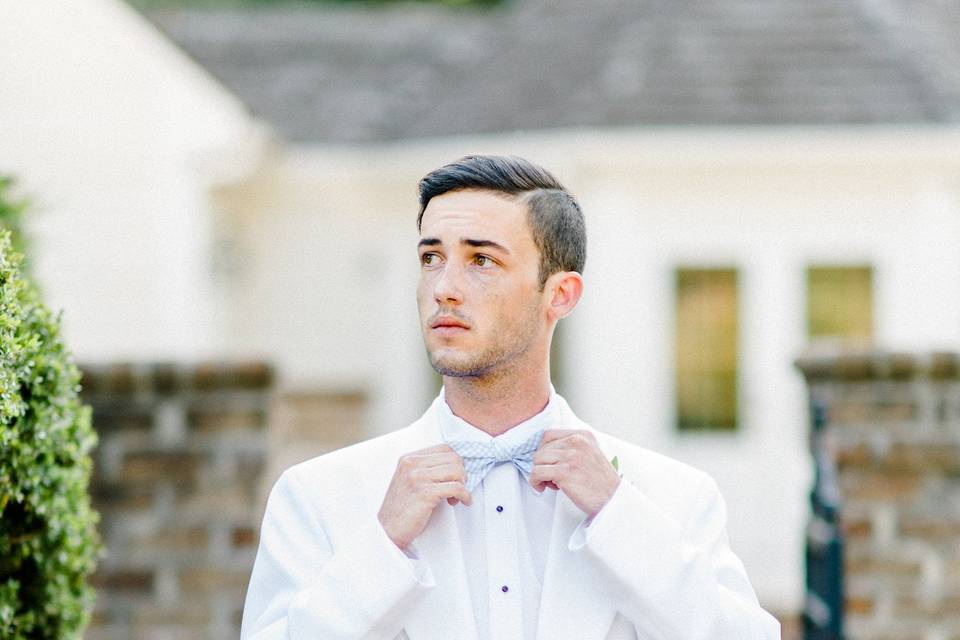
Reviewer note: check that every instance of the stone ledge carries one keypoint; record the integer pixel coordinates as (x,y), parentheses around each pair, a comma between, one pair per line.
(851,365)
(169,377)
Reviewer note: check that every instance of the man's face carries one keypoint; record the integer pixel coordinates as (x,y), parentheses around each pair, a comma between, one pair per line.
(479,297)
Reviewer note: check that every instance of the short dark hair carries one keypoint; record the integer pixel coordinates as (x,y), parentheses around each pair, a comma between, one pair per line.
(554,215)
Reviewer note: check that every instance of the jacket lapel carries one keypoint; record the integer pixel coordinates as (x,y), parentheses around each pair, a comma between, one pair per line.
(445,611)
(573,603)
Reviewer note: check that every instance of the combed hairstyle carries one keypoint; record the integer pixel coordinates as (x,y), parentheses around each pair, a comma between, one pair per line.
(555,219)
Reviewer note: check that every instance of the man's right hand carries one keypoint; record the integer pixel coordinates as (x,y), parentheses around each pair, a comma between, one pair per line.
(423,478)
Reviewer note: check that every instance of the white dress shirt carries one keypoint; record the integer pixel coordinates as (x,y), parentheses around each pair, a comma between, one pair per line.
(505,533)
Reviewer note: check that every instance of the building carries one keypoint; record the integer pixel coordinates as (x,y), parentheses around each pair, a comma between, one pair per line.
(757,177)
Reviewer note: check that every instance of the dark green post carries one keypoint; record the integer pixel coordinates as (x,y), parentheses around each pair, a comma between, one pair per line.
(823,606)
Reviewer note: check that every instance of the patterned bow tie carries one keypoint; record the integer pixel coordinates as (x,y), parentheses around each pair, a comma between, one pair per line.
(480,457)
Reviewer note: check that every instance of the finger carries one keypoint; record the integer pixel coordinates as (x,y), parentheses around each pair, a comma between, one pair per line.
(543,473)
(453,489)
(427,460)
(440,473)
(426,457)
(549,484)
(443,447)
(578,439)
(551,455)
(556,434)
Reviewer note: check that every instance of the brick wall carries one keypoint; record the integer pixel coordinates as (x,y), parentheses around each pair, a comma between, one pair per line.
(307,423)
(891,435)
(177,481)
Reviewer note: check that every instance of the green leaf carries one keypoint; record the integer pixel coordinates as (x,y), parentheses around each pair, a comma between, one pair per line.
(616,464)
(48,539)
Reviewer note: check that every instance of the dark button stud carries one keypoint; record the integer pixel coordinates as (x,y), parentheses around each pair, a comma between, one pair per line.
(504,588)
(499,508)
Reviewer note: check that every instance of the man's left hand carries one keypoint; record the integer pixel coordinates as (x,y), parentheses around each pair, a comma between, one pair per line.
(571,460)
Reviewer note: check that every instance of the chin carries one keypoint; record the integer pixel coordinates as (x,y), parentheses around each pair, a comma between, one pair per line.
(454,365)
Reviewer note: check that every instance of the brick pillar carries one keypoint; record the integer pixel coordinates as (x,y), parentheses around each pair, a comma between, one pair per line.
(176,480)
(891,429)
(308,423)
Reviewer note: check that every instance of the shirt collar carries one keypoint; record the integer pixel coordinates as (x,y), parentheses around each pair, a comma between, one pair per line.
(455,428)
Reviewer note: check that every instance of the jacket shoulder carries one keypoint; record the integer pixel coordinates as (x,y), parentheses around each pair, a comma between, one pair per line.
(643,461)
(652,472)
(675,486)
(361,463)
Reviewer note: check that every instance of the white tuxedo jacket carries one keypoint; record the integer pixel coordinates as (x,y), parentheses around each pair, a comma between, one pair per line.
(654,564)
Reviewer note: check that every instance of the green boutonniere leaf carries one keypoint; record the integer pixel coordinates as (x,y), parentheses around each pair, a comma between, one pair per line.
(616,464)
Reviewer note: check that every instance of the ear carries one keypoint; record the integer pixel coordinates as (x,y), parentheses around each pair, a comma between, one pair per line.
(565,289)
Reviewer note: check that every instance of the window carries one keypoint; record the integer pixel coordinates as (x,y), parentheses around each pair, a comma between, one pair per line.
(706,349)
(840,303)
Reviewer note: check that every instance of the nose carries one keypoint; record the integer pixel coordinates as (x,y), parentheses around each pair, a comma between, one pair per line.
(446,288)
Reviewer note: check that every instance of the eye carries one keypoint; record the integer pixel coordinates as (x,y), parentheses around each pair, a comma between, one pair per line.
(428,259)
(482,261)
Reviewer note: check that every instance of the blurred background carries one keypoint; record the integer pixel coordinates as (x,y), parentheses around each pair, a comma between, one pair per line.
(224,203)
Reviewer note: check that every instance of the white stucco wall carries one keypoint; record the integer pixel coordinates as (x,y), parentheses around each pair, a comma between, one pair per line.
(328,283)
(116,136)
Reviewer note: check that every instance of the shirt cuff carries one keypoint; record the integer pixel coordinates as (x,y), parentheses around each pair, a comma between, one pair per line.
(404,559)
(581,535)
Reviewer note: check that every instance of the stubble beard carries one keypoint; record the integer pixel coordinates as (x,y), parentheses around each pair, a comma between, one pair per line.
(495,358)
(481,365)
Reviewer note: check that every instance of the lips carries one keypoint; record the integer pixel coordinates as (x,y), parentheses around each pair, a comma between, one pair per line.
(446,323)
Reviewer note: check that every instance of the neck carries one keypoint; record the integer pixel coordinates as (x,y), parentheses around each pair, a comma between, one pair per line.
(495,405)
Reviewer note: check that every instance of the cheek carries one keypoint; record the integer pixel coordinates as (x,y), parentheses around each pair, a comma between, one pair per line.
(423,297)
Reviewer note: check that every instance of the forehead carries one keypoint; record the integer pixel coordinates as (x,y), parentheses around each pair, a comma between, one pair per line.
(478,215)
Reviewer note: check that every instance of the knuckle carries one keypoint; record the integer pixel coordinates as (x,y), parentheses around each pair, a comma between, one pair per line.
(583,440)
(409,486)
(423,490)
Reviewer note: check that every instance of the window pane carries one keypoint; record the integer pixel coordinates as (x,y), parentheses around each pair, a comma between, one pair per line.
(706,349)
(840,303)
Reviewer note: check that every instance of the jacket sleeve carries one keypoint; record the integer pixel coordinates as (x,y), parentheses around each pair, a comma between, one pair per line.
(302,588)
(674,581)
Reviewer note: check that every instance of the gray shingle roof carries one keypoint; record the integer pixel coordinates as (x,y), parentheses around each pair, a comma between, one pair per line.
(353,74)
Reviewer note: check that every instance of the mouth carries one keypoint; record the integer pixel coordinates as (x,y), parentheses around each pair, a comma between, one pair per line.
(448,326)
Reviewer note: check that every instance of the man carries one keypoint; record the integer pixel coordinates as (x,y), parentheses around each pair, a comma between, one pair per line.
(498,515)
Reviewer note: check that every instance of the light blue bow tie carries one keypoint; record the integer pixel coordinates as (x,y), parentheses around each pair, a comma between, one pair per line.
(480,457)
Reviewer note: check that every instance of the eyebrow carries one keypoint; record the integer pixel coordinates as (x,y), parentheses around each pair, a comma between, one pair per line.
(432,242)
(485,243)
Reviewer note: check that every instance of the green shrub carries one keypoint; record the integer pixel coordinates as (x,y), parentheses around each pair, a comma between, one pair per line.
(11,217)
(48,540)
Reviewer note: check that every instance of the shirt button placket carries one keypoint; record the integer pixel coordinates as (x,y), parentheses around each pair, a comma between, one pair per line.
(505,614)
